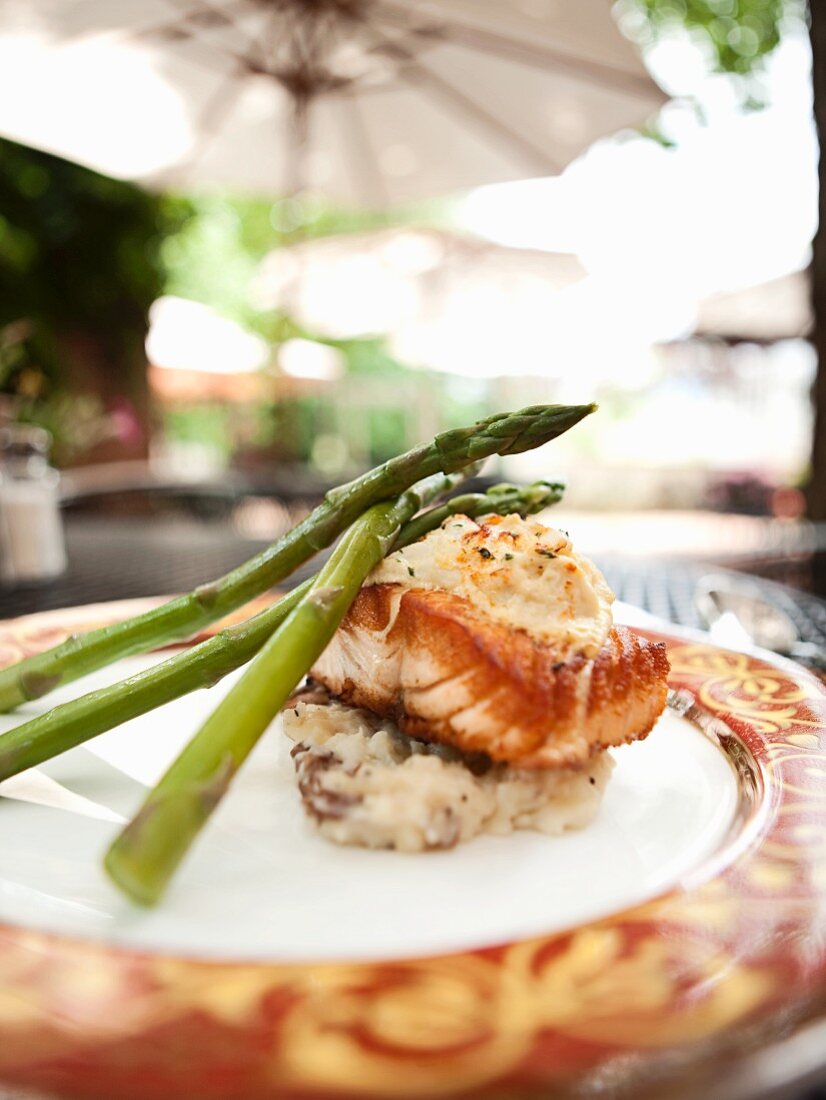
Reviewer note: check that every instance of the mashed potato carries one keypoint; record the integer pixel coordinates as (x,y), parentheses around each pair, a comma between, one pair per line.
(516,570)
(364,783)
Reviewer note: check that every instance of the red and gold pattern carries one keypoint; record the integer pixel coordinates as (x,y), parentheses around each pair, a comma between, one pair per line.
(702,969)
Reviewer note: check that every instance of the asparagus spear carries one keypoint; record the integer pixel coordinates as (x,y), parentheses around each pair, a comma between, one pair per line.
(72,723)
(144,856)
(505,433)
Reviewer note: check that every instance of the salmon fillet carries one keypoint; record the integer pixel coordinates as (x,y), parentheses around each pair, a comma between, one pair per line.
(445,672)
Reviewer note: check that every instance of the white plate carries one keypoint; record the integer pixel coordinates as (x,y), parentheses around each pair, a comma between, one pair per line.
(260,884)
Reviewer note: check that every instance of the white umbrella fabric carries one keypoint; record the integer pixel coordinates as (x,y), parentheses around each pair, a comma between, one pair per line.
(367,101)
(777,310)
(406,281)
(445,301)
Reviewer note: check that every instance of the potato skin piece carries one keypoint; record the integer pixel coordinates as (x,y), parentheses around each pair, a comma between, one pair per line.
(445,672)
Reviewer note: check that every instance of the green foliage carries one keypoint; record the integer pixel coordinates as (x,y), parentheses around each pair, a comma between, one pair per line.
(76,422)
(206,423)
(736,35)
(215,253)
(366,356)
(79,253)
(79,267)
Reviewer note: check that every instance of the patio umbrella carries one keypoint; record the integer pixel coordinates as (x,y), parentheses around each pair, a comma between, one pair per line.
(368,101)
(778,310)
(417,284)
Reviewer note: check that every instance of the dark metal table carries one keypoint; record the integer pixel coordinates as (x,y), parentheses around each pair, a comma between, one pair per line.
(127,557)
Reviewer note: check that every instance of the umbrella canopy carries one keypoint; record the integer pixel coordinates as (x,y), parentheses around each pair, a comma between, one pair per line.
(778,310)
(368,101)
(444,300)
(388,280)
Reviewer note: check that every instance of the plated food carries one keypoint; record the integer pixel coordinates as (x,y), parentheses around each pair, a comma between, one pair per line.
(474,685)
(364,782)
(476,645)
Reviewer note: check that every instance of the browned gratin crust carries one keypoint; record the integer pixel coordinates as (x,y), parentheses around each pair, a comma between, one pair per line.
(445,672)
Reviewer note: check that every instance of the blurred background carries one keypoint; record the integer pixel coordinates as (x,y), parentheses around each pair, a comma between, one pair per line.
(249,248)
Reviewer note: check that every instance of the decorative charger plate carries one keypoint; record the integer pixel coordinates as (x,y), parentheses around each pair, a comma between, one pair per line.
(685,924)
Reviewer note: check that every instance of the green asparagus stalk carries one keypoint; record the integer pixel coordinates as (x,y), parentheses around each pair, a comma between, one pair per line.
(144,856)
(72,723)
(503,434)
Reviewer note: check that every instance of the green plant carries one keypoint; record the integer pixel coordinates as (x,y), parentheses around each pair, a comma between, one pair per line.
(736,35)
(79,267)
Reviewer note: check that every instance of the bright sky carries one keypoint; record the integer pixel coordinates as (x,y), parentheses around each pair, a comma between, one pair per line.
(733,205)
(141,129)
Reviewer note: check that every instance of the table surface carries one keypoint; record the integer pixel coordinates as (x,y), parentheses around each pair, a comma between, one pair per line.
(124,558)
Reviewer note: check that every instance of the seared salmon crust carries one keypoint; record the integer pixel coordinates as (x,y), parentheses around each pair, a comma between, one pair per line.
(445,672)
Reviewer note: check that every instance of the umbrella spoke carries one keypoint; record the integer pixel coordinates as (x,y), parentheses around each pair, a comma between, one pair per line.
(195,21)
(412,70)
(368,164)
(542,57)
(537,159)
(213,116)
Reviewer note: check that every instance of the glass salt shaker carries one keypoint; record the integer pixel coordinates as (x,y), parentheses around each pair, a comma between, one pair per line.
(32,547)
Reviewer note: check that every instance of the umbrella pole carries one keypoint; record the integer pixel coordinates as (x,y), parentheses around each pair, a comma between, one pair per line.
(298,133)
